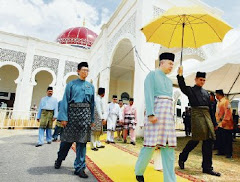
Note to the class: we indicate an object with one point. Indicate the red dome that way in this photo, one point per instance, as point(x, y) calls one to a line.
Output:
point(81, 36)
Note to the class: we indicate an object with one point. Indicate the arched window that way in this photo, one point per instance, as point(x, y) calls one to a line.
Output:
point(125, 96)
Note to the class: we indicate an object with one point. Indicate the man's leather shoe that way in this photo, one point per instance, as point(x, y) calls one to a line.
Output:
point(211, 172)
point(57, 164)
point(54, 140)
point(125, 141)
point(95, 149)
point(219, 154)
point(140, 178)
point(102, 146)
point(81, 174)
point(113, 142)
point(107, 142)
point(133, 143)
point(38, 145)
point(181, 164)
point(49, 142)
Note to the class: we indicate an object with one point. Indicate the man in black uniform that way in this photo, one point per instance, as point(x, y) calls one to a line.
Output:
point(202, 123)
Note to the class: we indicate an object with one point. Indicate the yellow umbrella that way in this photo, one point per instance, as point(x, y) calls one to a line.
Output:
point(186, 27)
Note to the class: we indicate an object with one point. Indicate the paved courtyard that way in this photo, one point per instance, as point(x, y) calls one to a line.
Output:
point(21, 161)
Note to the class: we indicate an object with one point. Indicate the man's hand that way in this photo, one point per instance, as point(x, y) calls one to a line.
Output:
point(152, 119)
point(180, 70)
point(37, 120)
point(54, 119)
point(216, 127)
point(64, 123)
point(104, 122)
point(93, 124)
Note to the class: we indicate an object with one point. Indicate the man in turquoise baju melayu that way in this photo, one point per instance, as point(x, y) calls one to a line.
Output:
point(159, 126)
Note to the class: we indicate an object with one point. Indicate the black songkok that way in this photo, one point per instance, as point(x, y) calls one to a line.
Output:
point(82, 64)
point(120, 101)
point(212, 94)
point(167, 55)
point(131, 99)
point(101, 91)
point(114, 96)
point(220, 92)
point(201, 74)
point(49, 88)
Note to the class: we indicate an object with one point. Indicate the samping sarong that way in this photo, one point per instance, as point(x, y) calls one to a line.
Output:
point(78, 128)
point(119, 125)
point(202, 126)
point(162, 132)
point(98, 128)
point(46, 120)
point(129, 122)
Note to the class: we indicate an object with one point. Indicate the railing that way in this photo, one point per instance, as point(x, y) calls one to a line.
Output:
point(18, 119)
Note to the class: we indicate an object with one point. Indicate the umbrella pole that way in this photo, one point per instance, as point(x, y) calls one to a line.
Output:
point(183, 25)
point(233, 83)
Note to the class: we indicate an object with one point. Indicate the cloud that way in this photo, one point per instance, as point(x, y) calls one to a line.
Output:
point(48, 19)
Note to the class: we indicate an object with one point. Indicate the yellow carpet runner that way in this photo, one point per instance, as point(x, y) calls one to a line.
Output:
point(116, 163)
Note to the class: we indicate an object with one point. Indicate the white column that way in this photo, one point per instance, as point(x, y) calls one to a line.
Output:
point(58, 90)
point(146, 53)
point(105, 74)
point(24, 90)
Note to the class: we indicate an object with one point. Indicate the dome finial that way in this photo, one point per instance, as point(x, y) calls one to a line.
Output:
point(84, 22)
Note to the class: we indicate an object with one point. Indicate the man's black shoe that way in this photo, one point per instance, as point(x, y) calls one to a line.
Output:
point(113, 142)
point(229, 156)
point(49, 142)
point(211, 172)
point(57, 164)
point(133, 143)
point(95, 149)
point(107, 142)
point(140, 178)
point(219, 154)
point(102, 146)
point(181, 164)
point(54, 140)
point(81, 174)
point(125, 141)
point(38, 145)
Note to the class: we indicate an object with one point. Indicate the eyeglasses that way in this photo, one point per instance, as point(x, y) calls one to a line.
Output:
point(114, 99)
point(85, 70)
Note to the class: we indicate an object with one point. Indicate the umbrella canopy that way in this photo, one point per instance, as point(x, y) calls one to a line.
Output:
point(186, 27)
point(223, 70)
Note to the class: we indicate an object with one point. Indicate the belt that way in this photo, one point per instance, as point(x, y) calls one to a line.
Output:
point(129, 117)
point(164, 97)
point(79, 104)
point(47, 110)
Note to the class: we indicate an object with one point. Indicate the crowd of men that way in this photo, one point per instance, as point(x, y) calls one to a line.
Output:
point(80, 118)
point(81, 115)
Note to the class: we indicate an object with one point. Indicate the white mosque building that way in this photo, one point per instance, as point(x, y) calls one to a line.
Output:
point(119, 57)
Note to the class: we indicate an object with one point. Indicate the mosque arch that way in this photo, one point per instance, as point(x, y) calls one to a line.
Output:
point(42, 79)
point(122, 68)
point(9, 76)
point(36, 71)
point(19, 68)
point(115, 46)
point(69, 77)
